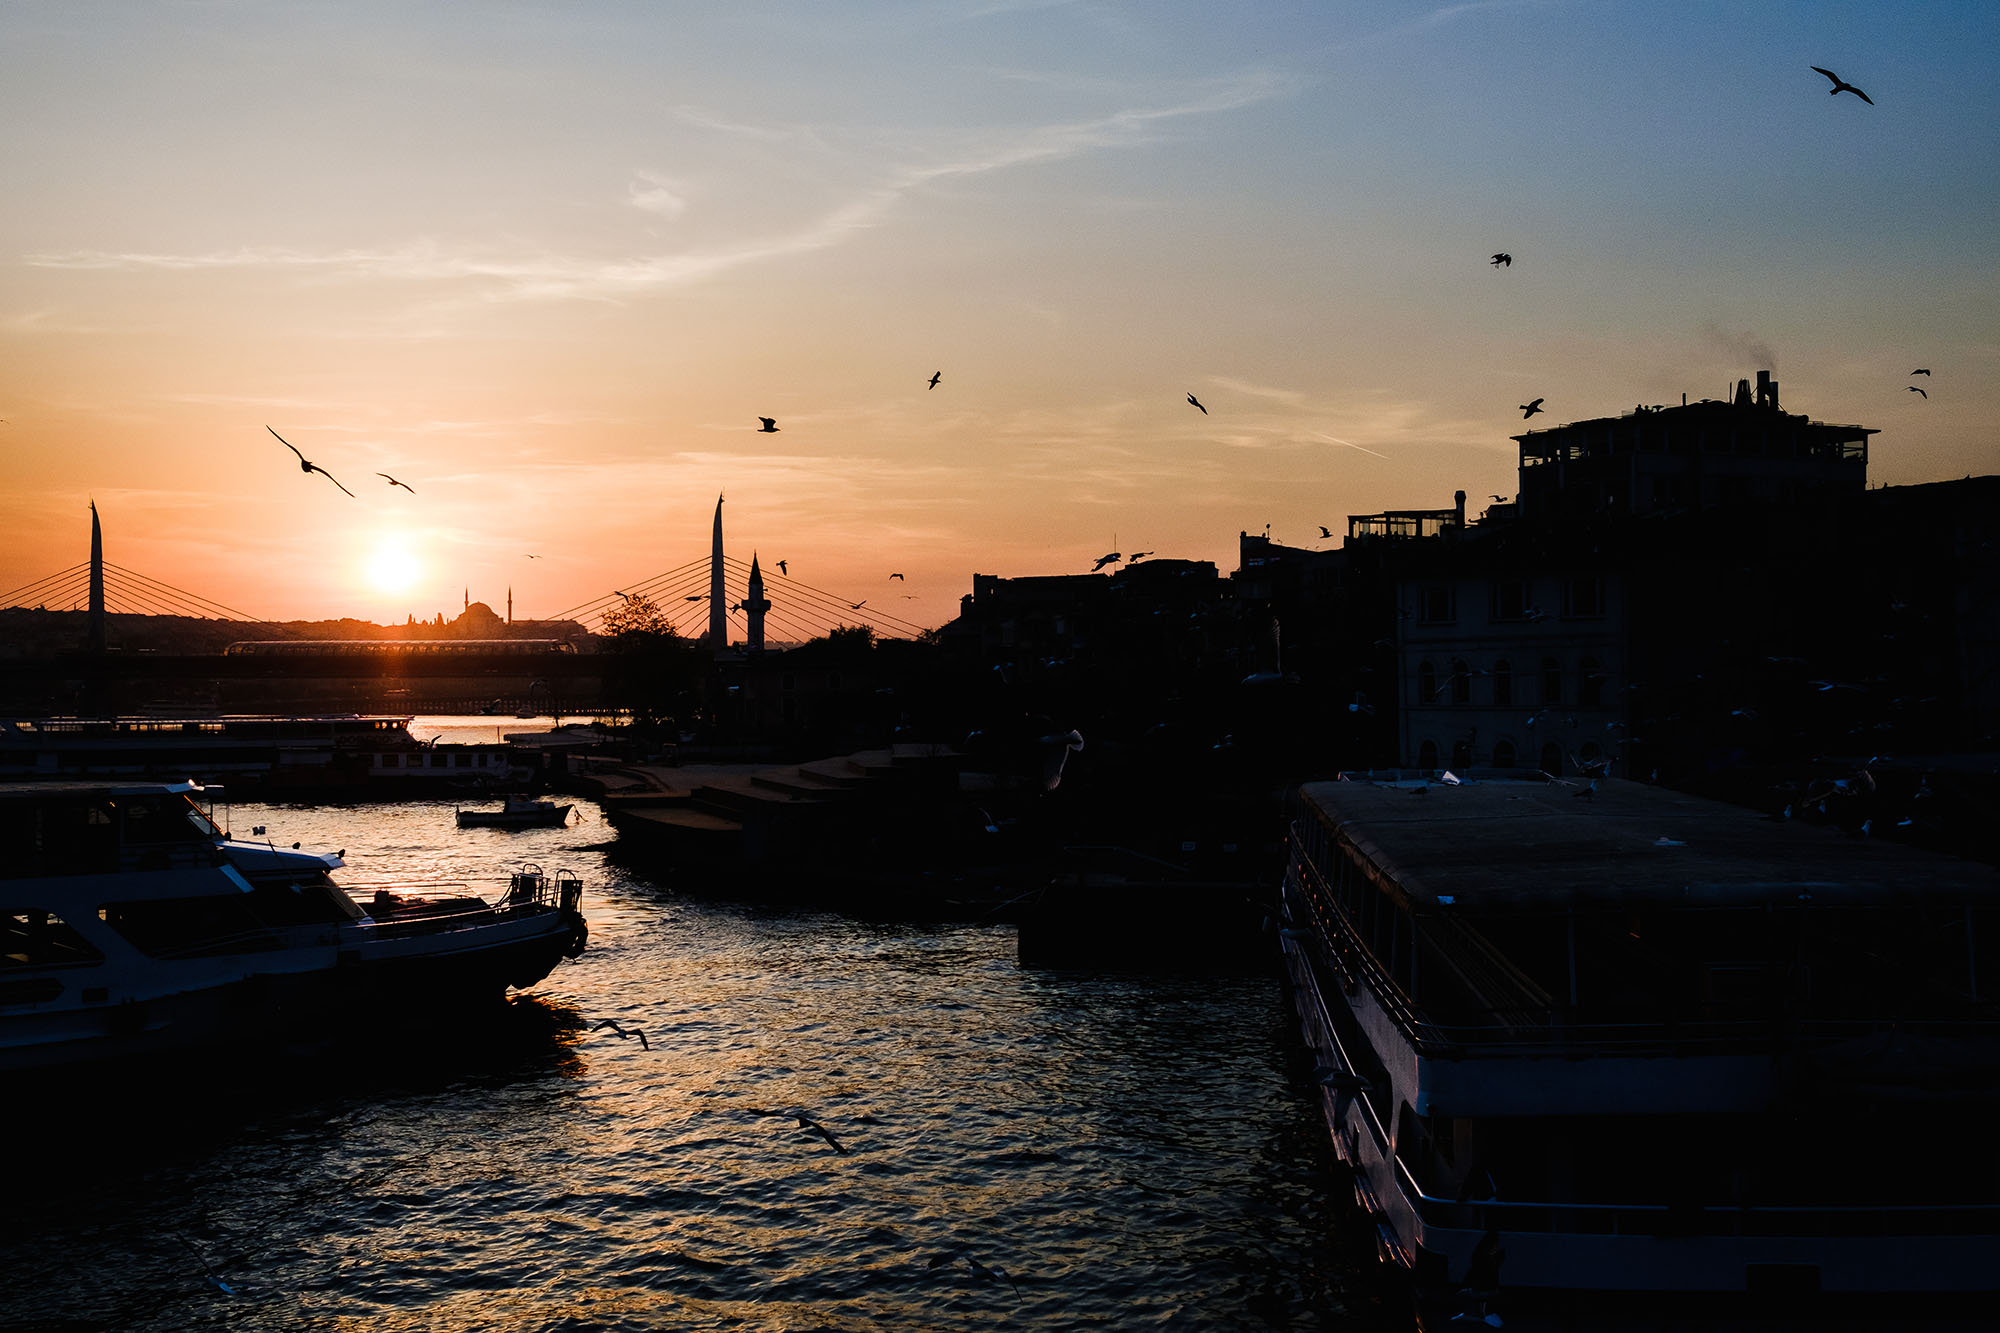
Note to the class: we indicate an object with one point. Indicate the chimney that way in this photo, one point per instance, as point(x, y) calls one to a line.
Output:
point(1458, 498)
point(1767, 390)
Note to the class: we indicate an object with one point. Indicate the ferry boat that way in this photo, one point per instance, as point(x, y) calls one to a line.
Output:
point(131, 925)
point(1609, 1055)
point(320, 753)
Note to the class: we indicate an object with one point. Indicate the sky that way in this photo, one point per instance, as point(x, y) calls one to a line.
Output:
point(548, 263)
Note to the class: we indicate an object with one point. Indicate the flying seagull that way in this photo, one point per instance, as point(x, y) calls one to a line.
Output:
point(1197, 402)
point(898, 576)
point(1324, 531)
point(393, 482)
point(770, 425)
point(782, 570)
point(530, 554)
point(936, 375)
point(1104, 560)
point(1920, 372)
point(807, 1122)
point(612, 1023)
point(305, 466)
point(1915, 389)
point(1840, 86)
point(858, 605)
point(1137, 556)
point(1529, 409)
point(1503, 260)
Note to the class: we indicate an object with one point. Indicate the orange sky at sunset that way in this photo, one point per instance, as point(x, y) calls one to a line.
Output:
point(548, 264)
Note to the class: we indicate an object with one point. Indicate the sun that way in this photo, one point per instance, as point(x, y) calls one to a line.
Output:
point(393, 568)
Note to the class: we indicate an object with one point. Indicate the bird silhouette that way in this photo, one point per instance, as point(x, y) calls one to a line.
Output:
point(1529, 409)
point(531, 555)
point(898, 576)
point(770, 425)
point(697, 597)
point(1915, 389)
point(856, 606)
point(782, 570)
point(1197, 402)
point(1104, 560)
point(1842, 86)
point(1324, 531)
point(1500, 499)
point(1503, 260)
point(935, 376)
point(1136, 556)
point(1920, 372)
point(807, 1122)
point(393, 482)
point(305, 466)
point(612, 1023)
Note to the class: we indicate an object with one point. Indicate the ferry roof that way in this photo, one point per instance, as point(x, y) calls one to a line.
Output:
point(1526, 845)
point(31, 788)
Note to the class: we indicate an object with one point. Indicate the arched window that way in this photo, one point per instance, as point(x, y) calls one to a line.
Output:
point(1427, 755)
point(1552, 681)
point(1461, 755)
point(1427, 683)
point(1589, 683)
point(1552, 759)
point(1461, 681)
point(1503, 684)
point(1503, 754)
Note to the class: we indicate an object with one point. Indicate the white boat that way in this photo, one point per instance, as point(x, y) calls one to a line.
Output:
point(131, 925)
point(517, 812)
point(1642, 1057)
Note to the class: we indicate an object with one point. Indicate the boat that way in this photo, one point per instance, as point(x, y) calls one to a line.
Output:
point(517, 812)
point(1611, 1056)
point(132, 926)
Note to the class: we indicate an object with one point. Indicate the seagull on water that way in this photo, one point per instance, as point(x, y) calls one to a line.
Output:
point(393, 482)
point(1529, 409)
point(1842, 86)
point(1197, 402)
point(612, 1023)
point(305, 466)
point(770, 425)
point(935, 376)
point(1503, 260)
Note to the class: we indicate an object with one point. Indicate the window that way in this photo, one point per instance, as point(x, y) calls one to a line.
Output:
point(1589, 683)
point(1437, 605)
point(1427, 683)
point(1461, 681)
point(1552, 681)
point(1503, 754)
point(1503, 683)
point(1583, 597)
point(460, 760)
point(392, 761)
point(35, 938)
point(1510, 599)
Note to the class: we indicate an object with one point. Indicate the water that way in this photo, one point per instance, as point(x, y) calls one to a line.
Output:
point(1130, 1152)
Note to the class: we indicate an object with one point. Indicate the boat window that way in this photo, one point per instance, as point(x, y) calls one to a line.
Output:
point(35, 938)
point(188, 927)
point(150, 821)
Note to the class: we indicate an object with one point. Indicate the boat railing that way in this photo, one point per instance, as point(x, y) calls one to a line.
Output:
point(1525, 1031)
point(531, 887)
point(1712, 1219)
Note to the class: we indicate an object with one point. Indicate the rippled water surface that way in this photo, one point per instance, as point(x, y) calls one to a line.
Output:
point(1126, 1152)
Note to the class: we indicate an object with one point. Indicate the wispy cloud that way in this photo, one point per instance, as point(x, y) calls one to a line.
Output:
point(508, 275)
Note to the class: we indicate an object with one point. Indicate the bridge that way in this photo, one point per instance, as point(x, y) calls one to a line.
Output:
point(716, 600)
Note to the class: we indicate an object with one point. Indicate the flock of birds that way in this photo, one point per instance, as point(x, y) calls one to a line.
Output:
point(769, 425)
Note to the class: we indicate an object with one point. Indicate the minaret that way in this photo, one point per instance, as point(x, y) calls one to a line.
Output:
point(510, 604)
point(718, 613)
point(96, 621)
point(754, 607)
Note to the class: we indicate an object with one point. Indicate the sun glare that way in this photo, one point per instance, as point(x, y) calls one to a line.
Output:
point(393, 569)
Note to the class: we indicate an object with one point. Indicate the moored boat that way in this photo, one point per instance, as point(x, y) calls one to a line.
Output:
point(1641, 1058)
point(517, 812)
point(131, 926)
